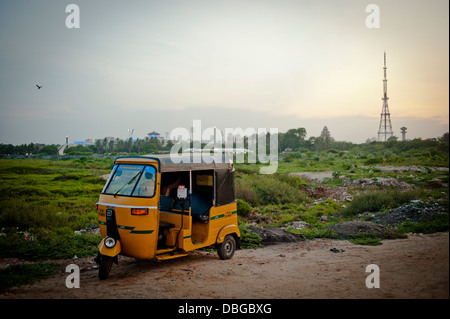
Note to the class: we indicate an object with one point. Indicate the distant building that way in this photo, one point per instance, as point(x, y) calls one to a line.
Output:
point(90, 141)
point(157, 136)
point(153, 134)
point(403, 130)
point(325, 133)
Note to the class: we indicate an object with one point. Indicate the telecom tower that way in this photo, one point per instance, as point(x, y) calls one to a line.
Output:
point(385, 129)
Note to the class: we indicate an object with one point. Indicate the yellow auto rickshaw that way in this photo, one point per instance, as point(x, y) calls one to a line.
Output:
point(163, 206)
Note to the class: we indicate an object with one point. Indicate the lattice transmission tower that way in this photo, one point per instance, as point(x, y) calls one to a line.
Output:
point(385, 129)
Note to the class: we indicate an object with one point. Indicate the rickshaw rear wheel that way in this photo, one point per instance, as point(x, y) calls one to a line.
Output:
point(226, 249)
point(105, 266)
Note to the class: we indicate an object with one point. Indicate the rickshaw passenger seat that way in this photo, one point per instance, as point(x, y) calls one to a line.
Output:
point(165, 202)
point(177, 205)
point(163, 224)
point(201, 203)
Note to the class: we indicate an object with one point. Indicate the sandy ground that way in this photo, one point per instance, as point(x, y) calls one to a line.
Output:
point(416, 267)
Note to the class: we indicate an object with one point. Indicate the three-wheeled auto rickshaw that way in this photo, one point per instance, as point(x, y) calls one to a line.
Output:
point(158, 206)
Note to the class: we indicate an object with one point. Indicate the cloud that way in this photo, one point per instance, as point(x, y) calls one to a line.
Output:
point(44, 113)
point(157, 65)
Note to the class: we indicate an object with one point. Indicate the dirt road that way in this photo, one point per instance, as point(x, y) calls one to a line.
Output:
point(416, 267)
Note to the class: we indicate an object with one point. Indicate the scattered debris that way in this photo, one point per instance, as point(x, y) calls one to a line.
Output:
point(378, 181)
point(358, 226)
point(93, 230)
point(27, 236)
point(299, 225)
point(314, 176)
point(275, 235)
point(411, 168)
point(185, 269)
point(416, 211)
point(258, 218)
point(337, 193)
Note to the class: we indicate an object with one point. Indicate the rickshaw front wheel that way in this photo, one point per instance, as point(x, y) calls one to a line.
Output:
point(105, 266)
point(226, 249)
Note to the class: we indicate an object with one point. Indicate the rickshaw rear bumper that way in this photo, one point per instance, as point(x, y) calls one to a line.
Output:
point(106, 251)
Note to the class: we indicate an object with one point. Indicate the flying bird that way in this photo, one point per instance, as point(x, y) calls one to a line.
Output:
point(39, 87)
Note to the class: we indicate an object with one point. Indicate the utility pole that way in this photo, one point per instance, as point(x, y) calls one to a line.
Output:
point(130, 135)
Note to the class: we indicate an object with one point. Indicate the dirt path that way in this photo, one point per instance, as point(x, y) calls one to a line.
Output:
point(416, 267)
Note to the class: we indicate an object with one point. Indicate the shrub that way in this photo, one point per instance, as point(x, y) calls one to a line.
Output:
point(378, 200)
point(243, 209)
point(326, 208)
point(246, 192)
point(278, 188)
point(375, 160)
point(336, 174)
point(67, 177)
point(437, 224)
point(249, 239)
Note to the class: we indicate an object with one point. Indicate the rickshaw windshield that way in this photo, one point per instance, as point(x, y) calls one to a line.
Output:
point(132, 180)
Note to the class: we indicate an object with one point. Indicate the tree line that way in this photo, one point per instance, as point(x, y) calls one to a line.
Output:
point(294, 140)
point(27, 149)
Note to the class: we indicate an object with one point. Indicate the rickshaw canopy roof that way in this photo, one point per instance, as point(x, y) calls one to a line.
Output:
point(185, 162)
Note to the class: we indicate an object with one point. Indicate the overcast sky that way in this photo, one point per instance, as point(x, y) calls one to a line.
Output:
point(158, 65)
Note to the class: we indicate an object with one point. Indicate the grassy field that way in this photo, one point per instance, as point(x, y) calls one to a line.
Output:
point(43, 203)
point(372, 179)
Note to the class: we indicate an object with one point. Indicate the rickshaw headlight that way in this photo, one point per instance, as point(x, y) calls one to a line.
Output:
point(110, 242)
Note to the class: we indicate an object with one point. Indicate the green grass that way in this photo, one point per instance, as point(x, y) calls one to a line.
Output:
point(42, 202)
point(279, 215)
point(327, 208)
point(248, 238)
point(378, 200)
point(49, 200)
point(270, 189)
point(364, 239)
point(438, 224)
point(50, 193)
point(25, 274)
point(275, 208)
point(316, 232)
point(46, 244)
point(243, 208)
